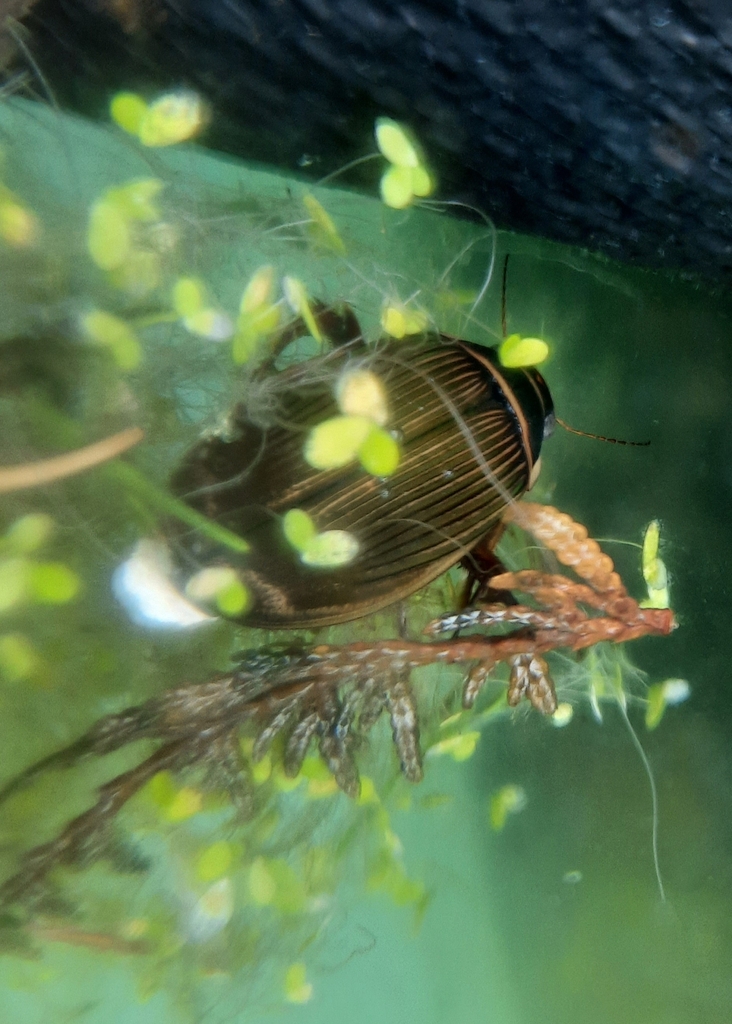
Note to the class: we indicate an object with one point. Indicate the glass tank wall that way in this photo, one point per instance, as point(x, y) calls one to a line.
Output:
point(555, 869)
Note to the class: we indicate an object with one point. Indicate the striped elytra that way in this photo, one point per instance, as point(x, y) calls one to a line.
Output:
point(470, 434)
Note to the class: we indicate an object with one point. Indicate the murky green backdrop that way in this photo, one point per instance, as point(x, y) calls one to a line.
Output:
point(558, 916)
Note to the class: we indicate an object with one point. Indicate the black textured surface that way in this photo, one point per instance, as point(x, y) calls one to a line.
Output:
point(605, 123)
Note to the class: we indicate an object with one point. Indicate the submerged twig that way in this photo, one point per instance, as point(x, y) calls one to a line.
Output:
point(47, 471)
point(335, 694)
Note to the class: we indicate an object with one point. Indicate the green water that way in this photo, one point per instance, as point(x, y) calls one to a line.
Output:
point(558, 916)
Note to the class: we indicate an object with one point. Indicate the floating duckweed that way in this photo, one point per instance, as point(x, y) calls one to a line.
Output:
point(387, 874)
point(186, 802)
point(319, 789)
point(460, 747)
point(262, 770)
point(53, 583)
point(258, 316)
point(189, 302)
point(109, 239)
point(219, 584)
point(251, 329)
point(210, 323)
point(367, 794)
point(113, 232)
point(508, 800)
point(188, 296)
point(335, 442)
point(399, 321)
point(113, 333)
point(654, 569)
point(399, 186)
point(299, 528)
point(297, 299)
point(397, 189)
point(313, 769)
point(361, 392)
point(330, 549)
point(651, 539)
point(29, 532)
point(18, 660)
point(563, 715)
point(140, 273)
point(289, 896)
point(234, 599)
point(297, 988)
point(320, 781)
point(379, 454)
point(173, 117)
point(14, 580)
point(214, 862)
point(516, 351)
point(662, 695)
point(262, 885)
point(396, 143)
point(212, 912)
point(19, 227)
point(127, 110)
point(136, 199)
point(161, 789)
point(259, 290)
point(323, 229)
point(656, 575)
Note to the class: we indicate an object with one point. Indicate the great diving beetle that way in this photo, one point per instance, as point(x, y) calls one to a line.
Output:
point(471, 441)
point(470, 433)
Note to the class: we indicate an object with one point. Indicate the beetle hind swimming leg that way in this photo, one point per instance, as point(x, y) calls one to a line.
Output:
point(337, 323)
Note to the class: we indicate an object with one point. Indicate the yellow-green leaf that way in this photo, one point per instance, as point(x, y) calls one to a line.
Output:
point(361, 392)
point(214, 861)
point(396, 187)
point(297, 988)
point(379, 454)
point(516, 351)
point(127, 110)
point(29, 532)
point(330, 549)
point(299, 528)
point(18, 660)
point(335, 442)
point(108, 236)
point(396, 143)
point(172, 118)
point(189, 296)
point(53, 583)
point(323, 227)
point(258, 292)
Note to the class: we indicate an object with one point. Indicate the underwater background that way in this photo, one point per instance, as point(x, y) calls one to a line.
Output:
point(517, 882)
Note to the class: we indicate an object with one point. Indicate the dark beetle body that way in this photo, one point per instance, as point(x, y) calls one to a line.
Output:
point(441, 501)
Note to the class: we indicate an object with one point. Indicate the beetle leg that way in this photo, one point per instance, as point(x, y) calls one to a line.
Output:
point(481, 565)
point(336, 323)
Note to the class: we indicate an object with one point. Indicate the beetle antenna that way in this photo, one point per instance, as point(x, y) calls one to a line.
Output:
point(601, 437)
